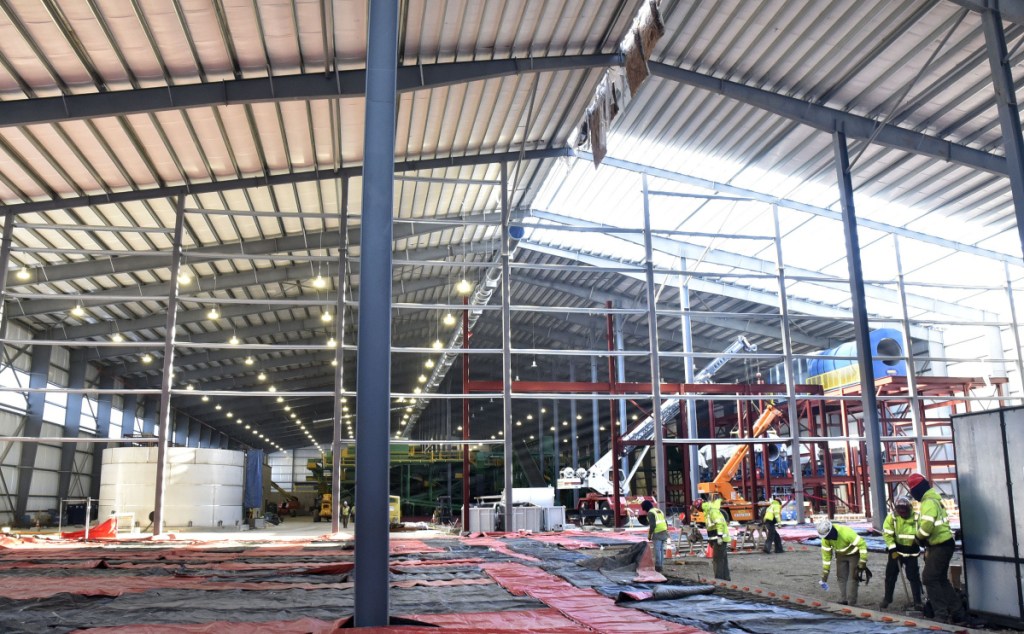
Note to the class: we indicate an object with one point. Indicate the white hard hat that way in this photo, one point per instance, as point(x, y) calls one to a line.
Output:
point(823, 526)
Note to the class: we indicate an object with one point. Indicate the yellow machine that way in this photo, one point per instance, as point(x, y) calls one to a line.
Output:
point(734, 507)
point(394, 509)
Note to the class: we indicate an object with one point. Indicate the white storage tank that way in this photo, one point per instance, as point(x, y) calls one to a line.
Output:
point(204, 486)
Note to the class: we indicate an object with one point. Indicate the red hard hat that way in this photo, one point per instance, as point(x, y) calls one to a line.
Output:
point(915, 479)
point(698, 504)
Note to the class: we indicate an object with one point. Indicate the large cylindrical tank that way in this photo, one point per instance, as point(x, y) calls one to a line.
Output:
point(885, 342)
point(204, 486)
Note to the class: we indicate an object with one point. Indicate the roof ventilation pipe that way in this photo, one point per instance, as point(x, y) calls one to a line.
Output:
point(481, 297)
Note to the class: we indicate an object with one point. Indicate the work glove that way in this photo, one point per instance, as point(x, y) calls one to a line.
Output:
point(867, 575)
point(860, 575)
point(824, 585)
point(824, 577)
point(893, 554)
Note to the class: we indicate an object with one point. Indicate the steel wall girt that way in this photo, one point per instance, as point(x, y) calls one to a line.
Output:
point(738, 325)
point(830, 120)
point(765, 297)
point(242, 250)
point(72, 421)
point(702, 285)
point(277, 88)
point(104, 408)
point(271, 180)
point(733, 190)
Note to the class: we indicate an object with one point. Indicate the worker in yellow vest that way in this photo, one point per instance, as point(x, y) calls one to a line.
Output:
point(772, 516)
point(657, 532)
point(718, 535)
point(900, 533)
point(850, 550)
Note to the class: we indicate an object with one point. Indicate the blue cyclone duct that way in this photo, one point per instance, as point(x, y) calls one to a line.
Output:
point(516, 232)
point(887, 350)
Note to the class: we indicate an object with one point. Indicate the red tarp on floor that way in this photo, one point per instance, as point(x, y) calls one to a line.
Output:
point(106, 530)
point(585, 606)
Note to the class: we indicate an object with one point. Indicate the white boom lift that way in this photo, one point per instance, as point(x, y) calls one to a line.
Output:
point(598, 478)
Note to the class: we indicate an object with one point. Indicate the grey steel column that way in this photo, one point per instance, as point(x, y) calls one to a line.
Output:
point(620, 376)
point(168, 368)
point(572, 430)
point(915, 412)
point(129, 410)
point(869, 404)
point(373, 364)
point(557, 424)
point(1014, 325)
point(506, 349)
point(688, 374)
point(150, 413)
point(1009, 112)
point(72, 421)
point(104, 407)
point(652, 329)
point(787, 362)
point(33, 426)
point(339, 356)
point(540, 436)
point(595, 413)
point(5, 265)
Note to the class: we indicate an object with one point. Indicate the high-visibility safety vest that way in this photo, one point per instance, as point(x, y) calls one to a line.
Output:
point(659, 523)
point(899, 531)
point(847, 542)
point(715, 520)
point(773, 513)
point(932, 524)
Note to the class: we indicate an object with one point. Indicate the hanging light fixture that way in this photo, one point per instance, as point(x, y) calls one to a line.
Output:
point(334, 362)
point(249, 361)
point(213, 314)
point(437, 345)
point(332, 342)
point(422, 378)
point(464, 287)
point(147, 358)
point(205, 398)
point(184, 279)
point(325, 316)
point(78, 311)
point(319, 282)
point(449, 319)
point(429, 364)
point(262, 376)
point(233, 340)
point(117, 338)
point(23, 274)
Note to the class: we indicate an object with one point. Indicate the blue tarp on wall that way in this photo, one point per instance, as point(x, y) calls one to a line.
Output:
point(253, 497)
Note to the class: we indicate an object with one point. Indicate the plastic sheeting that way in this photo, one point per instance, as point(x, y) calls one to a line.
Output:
point(726, 616)
point(105, 530)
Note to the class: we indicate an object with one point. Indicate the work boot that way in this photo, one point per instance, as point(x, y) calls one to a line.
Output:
point(844, 602)
point(884, 604)
point(657, 569)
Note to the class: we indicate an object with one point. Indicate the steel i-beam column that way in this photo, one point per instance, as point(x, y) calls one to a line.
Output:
point(373, 365)
point(72, 422)
point(793, 412)
point(129, 410)
point(506, 349)
point(33, 426)
point(860, 325)
point(915, 412)
point(688, 374)
point(168, 367)
point(652, 329)
point(104, 408)
point(595, 413)
point(572, 430)
point(339, 358)
point(1013, 326)
point(1009, 112)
